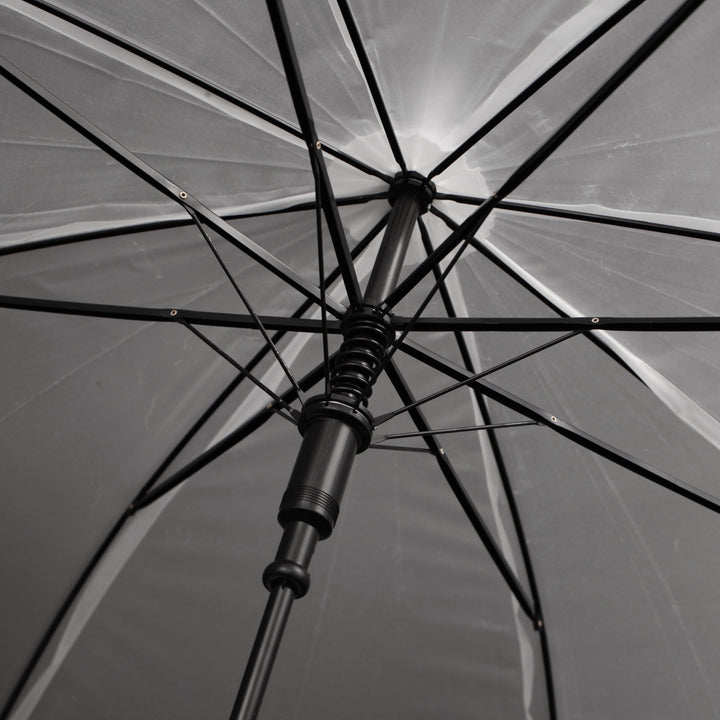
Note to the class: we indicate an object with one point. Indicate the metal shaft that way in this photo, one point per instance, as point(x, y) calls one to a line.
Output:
point(390, 257)
point(334, 430)
point(262, 656)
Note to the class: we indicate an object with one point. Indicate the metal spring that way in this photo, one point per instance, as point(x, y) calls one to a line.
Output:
point(363, 349)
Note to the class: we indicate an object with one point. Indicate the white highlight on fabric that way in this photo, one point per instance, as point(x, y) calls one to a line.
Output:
point(680, 404)
point(493, 481)
point(99, 582)
point(552, 48)
point(150, 69)
point(671, 600)
point(90, 598)
point(374, 147)
point(137, 219)
point(679, 221)
point(495, 492)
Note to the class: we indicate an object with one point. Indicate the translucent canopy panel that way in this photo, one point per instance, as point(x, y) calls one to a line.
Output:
point(182, 285)
point(191, 585)
point(653, 146)
point(86, 421)
point(242, 58)
point(459, 57)
point(630, 274)
point(218, 152)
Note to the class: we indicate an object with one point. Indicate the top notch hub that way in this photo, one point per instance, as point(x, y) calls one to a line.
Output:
point(411, 180)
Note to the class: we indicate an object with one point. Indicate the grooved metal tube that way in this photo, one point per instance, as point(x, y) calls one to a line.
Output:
point(318, 479)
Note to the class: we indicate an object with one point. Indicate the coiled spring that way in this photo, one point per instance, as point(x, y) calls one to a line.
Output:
point(367, 337)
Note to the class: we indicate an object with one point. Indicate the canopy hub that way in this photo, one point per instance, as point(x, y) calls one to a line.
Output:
point(412, 183)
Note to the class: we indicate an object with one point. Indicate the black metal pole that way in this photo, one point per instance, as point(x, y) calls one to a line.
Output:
point(297, 547)
point(262, 656)
point(408, 199)
point(334, 429)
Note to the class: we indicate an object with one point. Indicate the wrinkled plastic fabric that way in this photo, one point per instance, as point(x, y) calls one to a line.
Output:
point(407, 616)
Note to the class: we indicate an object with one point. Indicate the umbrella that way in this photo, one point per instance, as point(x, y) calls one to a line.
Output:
point(436, 279)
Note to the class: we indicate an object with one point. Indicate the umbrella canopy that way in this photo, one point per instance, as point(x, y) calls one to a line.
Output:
point(194, 195)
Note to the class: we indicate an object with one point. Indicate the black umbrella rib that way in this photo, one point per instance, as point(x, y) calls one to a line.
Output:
point(87, 235)
point(576, 324)
point(451, 431)
point(205, 458)
point(578, 436)
point(250, 367)
point(52, 628)
point(462, 345)
point(307, 126)
point(400, 448)
point(249, 308)
point(294, 323)
point(311, 205)
point(512, 273)
point(198, 81)
point(168, 188)
point(372, 83)
point(538, 83)
point(498, 262)
point(462, 496)
point(647, 48)
point(540, 625)
point(169, 224)
point(321, 275)
point(526, 168)
point(551, 211)
point(293, 416)
point(462, 233)
point(228, 442)
point(505, 479)
point(144, 314)
point(216, 404)
point(476, 376)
